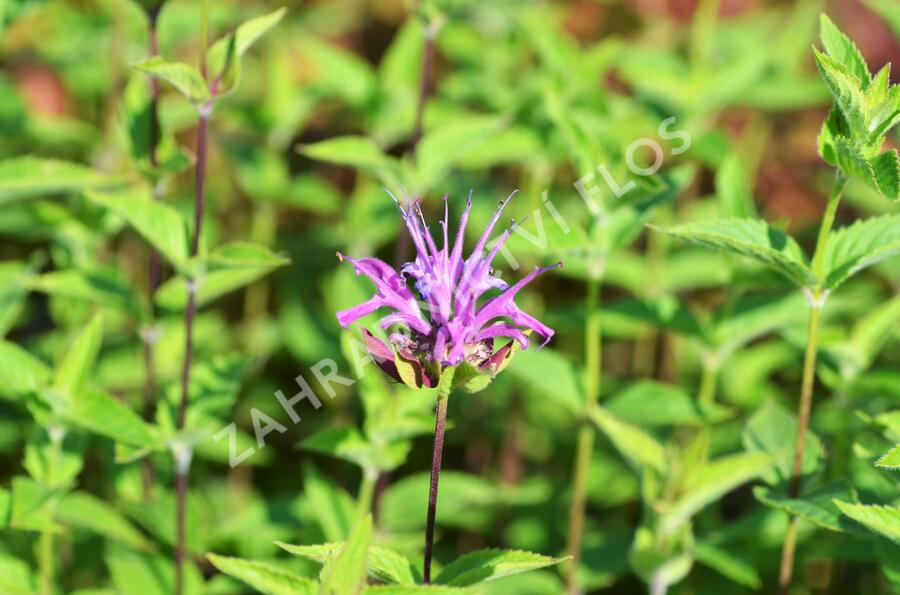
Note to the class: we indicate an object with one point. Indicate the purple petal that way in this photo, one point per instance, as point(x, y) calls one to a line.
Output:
point(502, 330)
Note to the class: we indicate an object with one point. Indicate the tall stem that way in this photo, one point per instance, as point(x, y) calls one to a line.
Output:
point(817, 300)
point(585, 446)
point(183, 456)
point(440, 423)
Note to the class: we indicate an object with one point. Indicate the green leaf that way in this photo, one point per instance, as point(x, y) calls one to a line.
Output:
point(753, 239)
point(103, 287)
point(414, 590)
point(99, 413)
point(135, 573)
point(666, 312)
point(348, 444)
point(186, 79)
point(860, 245)
point(550, 374)
point(15, 577)
point(728, 565)
point(771, 430)
point(264, 577)
point(886, 174)
point(656, 404)
point(444, 146)
point(847, 91)
point(384, 565)
point(491, 564)
point(224, 56)
point(842, 49)
point(161, 225)
point(733, 189)
point(884, 520)
point(461, 495)
point(78, 362)
point(227, 268)
point(706, 485)
point(358, 152)
point(634, 444)
point(817, 506)
point(35, 177)
point(331, 506)
point(13, 274)
point(32, 505)
point(347, 574)
point(890, 459)
point(20, 372)
point(80, 509)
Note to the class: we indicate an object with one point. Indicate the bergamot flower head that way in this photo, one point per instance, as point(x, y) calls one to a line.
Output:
point(443, 305)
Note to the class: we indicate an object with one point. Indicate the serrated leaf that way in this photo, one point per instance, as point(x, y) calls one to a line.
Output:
point(186, 79)
point(817, 506)
point(383, 564)
point(847, 91)
point(34, 177)
point(884, 520)
point(347, 574)
point(842, 49)
point(886, 173)
point(890, 459)
point(158, 223)
point(638, 447)
point(491, 564)
point(266, 578)
point(860, 245)
point(753, 239)
point(709, 483)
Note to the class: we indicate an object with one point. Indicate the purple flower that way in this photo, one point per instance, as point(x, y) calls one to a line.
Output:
point(446, 320)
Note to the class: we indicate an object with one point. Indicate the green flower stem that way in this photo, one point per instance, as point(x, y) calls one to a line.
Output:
point(440, 422)
point(366, 492)
point(817, 299)
point(585, 446)
point(708, 381)
point(47, 553)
